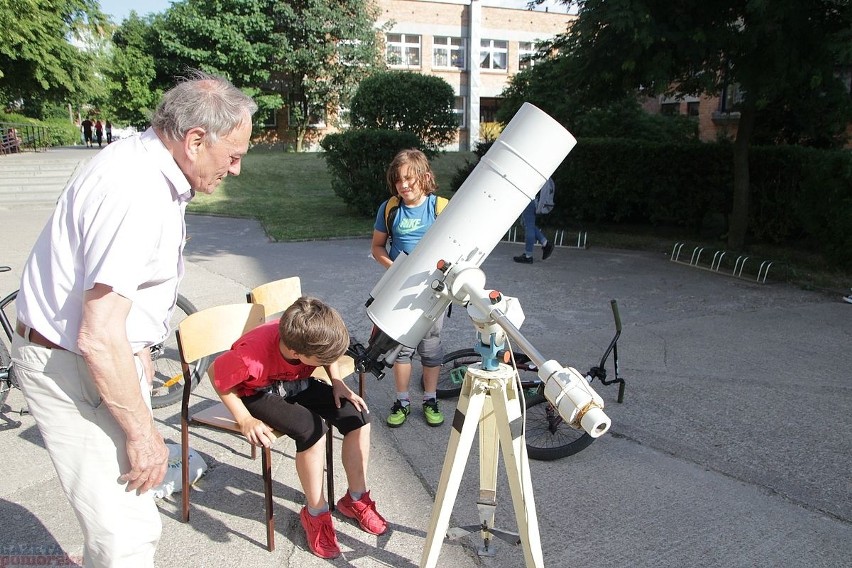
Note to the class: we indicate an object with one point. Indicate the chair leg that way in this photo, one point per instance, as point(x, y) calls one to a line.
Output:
point(329, 464)
point(184, 469)
point(267, 496)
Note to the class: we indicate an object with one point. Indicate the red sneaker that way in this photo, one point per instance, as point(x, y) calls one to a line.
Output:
point(364, 511)
point(319, 530)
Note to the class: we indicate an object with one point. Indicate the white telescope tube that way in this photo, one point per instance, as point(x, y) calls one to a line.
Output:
point(493, 196)
point(577, 403)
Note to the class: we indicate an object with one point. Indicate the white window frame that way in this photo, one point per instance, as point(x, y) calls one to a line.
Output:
point(526, 52)
point(447, 46)
point(489, 49)
point(460, 110)
point(405, 49)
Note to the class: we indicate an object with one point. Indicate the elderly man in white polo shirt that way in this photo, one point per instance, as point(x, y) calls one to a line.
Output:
point(98, 290)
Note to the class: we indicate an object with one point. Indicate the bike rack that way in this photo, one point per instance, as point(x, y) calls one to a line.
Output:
point(716, 262)
point(512, 235)
point(559, 238)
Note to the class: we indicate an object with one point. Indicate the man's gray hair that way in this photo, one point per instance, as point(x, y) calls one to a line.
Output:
point(202, 100)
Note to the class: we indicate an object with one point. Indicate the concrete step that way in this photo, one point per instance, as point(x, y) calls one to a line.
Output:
point(38, 177)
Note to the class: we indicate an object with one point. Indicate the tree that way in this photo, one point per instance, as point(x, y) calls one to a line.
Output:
point(408, 102)
point(132, 73)
point(37, 60)
point(775, 51)
point(544, 86)
point(308, 54)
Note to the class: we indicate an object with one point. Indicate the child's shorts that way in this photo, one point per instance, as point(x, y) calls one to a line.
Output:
point(302, 416)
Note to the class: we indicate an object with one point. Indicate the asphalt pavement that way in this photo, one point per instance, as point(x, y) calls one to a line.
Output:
point(731, 449)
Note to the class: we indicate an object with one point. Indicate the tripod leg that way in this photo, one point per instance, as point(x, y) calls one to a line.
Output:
point(465, 420)
point(507, 411)
point(489, 445)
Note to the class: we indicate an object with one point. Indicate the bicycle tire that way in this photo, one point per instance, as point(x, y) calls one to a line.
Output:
point(550, 438)
point(453, 369)
point(168, 374)
point(7, 373)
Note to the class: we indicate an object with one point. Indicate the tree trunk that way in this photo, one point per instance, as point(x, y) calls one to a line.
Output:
point(742, 187)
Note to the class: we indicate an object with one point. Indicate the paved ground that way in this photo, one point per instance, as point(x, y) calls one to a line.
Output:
point(732, 447)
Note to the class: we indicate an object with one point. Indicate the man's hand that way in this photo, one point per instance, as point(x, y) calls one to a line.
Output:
point(149, 459)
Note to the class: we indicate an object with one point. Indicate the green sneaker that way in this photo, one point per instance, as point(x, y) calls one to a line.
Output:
point(432, 413)
point(398, 414)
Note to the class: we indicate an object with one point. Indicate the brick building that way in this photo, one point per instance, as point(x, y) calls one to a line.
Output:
point(474, 45)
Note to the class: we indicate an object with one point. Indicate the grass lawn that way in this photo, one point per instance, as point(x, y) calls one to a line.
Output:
point(290, 194)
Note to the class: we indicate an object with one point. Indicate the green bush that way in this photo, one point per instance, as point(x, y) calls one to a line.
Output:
point(406, 101)
point(798, 195)
point(358, 160)
point(59, 131)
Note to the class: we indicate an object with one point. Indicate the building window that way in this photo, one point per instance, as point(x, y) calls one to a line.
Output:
point(271, 119)
point(731, 97)
point(448, 52)
point(526, 52)
point(488, 108)
point(670, 109)
point(494, 54)
point(692, 109)
point(459, 111)
point(403, 50)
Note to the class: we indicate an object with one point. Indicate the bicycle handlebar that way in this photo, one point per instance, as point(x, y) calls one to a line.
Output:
point(616, 315)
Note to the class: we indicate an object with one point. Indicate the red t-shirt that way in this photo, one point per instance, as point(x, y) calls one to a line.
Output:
point(255, 362)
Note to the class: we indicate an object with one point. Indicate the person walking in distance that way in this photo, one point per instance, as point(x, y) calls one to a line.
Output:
point(541, 205)
point(87, 131)
point(401, 222)
point(98, 290)
point(99, 132)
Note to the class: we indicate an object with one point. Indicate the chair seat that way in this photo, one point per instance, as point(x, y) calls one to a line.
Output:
point(219, 416)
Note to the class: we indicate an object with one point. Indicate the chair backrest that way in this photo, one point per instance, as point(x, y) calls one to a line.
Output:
point(276, 296)
point(215, 329)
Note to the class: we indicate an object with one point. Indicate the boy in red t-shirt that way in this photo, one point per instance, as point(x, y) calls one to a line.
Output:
point(264, 380)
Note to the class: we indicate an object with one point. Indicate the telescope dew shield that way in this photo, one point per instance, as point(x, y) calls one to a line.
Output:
point(492, 197)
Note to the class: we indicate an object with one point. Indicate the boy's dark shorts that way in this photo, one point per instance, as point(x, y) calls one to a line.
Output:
point(302, 416)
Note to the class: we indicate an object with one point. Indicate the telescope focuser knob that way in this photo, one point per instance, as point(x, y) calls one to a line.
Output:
point(438, 286)
point(443, 266)
point(495, 297)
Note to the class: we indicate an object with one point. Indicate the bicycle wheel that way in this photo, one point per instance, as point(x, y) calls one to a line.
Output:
point(168, 375)
point(548, 436)
point(453, 370)
point(7, 316)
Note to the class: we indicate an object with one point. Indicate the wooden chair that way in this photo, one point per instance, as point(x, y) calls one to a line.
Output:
point(275, 297)
point(204, 333)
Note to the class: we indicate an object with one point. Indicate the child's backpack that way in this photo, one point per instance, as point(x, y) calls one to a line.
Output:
point(392, 207)
point(544, 205)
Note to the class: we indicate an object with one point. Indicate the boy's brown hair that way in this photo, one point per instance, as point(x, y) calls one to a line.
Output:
point(418, 164)
point(314, 329)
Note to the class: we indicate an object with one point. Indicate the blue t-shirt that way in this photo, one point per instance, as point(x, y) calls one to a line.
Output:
point(409, 225)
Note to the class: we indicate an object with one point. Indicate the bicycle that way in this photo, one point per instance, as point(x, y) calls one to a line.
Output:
point(548, 437)
point(167, 387)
